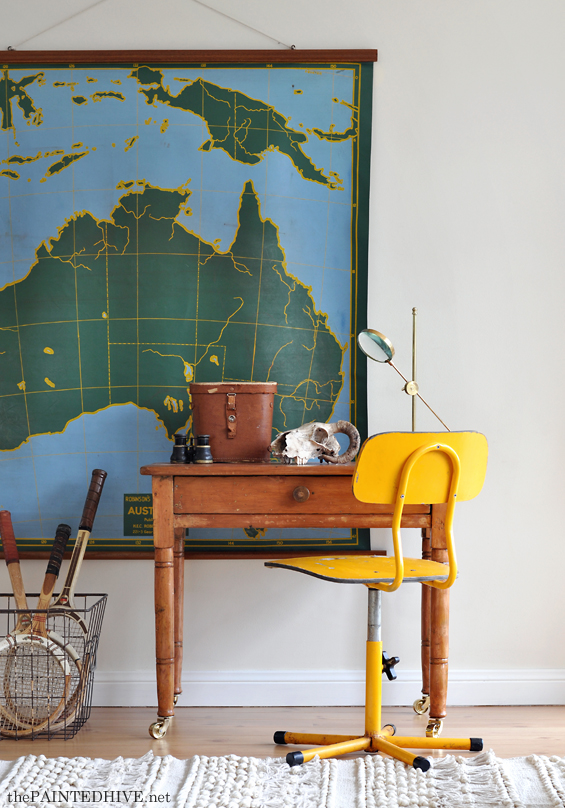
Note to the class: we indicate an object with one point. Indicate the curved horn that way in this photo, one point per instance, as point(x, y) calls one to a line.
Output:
point(354, 442)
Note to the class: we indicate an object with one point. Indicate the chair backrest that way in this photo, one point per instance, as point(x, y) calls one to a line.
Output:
point(403, 468)
point(383, 457)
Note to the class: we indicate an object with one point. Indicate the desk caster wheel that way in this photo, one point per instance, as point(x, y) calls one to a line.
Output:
point(159, 728)
point(422, 705)
point(434, 728)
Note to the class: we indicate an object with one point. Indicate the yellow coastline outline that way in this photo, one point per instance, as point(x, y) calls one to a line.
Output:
point(188, 369)
point(102, 224)
point(333, 182)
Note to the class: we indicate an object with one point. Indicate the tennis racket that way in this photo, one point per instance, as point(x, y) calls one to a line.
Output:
point(14, 571)
point(35, 670)
point(68, 626)
point(64, 604)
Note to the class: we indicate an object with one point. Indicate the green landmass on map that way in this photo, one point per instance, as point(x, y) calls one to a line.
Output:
point(20, 160)
point(64, 162)
point(338, 137)
point(107, 94)
point(244, 127)
point(12, 90)
point(133, 308)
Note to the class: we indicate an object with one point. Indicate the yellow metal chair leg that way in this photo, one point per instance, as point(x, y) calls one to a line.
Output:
point(417, 742)
point(311, 738)
point(399, 753)
point(333, 750)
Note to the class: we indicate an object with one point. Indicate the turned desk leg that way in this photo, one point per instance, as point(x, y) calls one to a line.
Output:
point(179, 606)
point(422, 704)
point(163, 539)
point(439, 638)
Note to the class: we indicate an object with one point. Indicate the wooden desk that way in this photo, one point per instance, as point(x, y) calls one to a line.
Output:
point(264, 495)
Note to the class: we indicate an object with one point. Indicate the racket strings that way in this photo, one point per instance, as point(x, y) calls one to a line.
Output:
point(68, 630)
point(34, 684)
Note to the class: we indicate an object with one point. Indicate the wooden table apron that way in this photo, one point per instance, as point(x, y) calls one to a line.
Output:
point(261, 495)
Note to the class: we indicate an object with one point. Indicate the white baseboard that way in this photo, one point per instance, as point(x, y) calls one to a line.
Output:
point(327, 688)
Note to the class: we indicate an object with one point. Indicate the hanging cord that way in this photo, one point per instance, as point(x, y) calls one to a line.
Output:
point(56, 24)
point(234, 19)
point(99, 2)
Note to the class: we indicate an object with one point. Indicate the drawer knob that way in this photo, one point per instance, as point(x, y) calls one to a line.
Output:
point(301, 493)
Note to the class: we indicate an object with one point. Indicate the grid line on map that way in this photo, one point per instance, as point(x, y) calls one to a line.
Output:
point(313, 330)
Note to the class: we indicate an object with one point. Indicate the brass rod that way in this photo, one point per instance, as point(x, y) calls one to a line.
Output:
point(414, 313)
point(391, 363)
point(433, 411)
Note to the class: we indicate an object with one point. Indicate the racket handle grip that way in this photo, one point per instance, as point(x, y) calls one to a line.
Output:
point(8, 538)
point(58, 550)
point(92, 499)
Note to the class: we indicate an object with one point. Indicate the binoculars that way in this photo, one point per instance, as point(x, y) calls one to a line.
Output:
point(198, 451)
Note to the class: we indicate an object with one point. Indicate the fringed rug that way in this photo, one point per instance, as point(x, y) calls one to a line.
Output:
point(242, 782)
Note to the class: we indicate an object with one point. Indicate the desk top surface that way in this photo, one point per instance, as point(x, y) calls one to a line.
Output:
point(246, 469)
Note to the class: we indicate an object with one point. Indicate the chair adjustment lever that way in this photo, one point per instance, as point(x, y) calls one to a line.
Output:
point(388, 666)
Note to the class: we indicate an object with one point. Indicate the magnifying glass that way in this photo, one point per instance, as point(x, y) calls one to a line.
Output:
point(375, 345)
point(379, 348)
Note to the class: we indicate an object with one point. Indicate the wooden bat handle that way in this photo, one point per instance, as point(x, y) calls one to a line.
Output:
point(92, 499)
point(58, 550)
point(8, 538)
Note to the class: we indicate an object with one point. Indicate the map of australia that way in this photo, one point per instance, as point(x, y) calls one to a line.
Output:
point(163, 224)
point(135, 307)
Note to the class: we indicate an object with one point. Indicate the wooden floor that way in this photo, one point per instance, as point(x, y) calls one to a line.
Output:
point(110, 732)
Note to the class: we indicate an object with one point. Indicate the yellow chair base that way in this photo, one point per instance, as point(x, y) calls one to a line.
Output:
point(376, 738)
point(396, 746)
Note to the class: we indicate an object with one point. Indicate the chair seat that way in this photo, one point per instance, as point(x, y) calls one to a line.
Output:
point(364, 569)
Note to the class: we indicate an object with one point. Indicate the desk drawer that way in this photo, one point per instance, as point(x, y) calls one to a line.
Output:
point(272, 495)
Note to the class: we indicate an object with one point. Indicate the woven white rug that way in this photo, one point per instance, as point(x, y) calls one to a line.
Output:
point(240, 782)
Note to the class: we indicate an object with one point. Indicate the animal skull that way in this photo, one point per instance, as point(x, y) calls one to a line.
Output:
point(316, 440)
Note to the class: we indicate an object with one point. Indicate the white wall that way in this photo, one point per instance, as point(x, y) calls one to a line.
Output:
point(467, 224)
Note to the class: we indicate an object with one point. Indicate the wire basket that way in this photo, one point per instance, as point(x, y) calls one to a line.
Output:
point(47, 664)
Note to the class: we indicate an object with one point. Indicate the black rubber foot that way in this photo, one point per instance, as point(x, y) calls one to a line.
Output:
point(421, 763)
point(476, 744)
point(295, 758)
point(278, 737)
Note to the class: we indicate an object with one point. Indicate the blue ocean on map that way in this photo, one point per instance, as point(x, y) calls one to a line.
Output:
point(121, 134)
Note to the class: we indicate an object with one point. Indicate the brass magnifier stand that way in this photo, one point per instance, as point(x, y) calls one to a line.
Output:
point(377, 347)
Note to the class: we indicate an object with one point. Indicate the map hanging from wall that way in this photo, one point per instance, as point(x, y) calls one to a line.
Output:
point(163, 224)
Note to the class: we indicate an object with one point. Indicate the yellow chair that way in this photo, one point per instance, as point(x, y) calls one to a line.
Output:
point(397, 468)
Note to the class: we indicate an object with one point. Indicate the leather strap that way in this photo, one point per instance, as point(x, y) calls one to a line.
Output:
point(231, 415)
